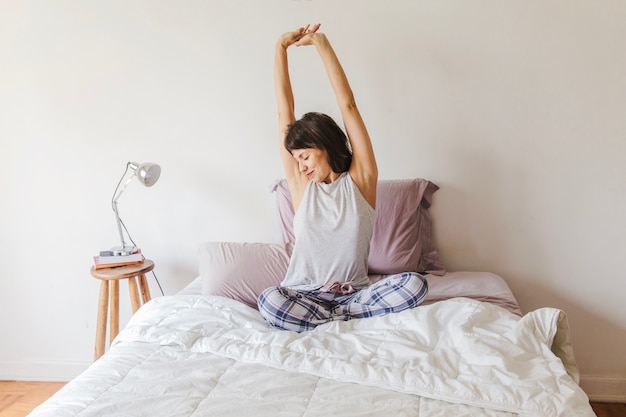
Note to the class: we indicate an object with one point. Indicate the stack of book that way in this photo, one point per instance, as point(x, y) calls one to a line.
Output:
point(105, 260)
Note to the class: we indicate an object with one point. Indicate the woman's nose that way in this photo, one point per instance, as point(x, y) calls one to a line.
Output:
point(301, 166)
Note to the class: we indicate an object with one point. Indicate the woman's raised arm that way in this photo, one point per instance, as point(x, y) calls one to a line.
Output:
point(363, 170)
point(285, 104)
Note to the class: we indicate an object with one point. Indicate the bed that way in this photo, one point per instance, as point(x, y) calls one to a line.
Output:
point(466, 351)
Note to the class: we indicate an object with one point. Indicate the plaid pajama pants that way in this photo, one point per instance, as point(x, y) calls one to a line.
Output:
point(302, 310)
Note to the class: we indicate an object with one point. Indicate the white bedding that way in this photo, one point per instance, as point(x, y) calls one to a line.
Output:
point(189, 355)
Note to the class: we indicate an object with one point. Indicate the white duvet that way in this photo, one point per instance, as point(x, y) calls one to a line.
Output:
point(211, 356)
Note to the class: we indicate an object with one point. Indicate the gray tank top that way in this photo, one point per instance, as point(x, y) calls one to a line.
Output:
point(332, 228)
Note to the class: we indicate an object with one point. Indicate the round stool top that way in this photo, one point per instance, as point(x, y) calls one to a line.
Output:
point(123, 272)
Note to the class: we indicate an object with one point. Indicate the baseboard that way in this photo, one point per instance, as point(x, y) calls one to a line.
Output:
point(604, 388)
point(43, 371)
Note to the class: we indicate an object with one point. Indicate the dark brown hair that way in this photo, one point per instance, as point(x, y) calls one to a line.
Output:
point(320, 131)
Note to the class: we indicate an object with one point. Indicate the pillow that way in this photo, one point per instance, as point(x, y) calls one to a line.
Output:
point(402, 240)
point(241, 270)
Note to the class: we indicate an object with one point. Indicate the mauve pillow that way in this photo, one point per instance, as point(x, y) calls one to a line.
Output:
point(241, 270)
point(402, 240)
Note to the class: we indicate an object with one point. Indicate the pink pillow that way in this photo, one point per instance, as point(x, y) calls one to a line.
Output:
point(242, 270)
point(402, 239)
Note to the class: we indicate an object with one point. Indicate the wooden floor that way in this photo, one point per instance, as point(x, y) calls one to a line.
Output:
point(17, 399)
point(609, 409)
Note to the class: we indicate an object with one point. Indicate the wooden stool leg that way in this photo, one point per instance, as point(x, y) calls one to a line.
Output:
point(145, 290)
point(114, 310)
point(101, 326)
point(134, 294)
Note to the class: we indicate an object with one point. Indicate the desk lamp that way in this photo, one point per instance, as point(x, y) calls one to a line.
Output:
point(147, 173)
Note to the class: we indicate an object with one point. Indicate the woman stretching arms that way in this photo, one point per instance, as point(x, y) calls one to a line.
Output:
point(332, 178)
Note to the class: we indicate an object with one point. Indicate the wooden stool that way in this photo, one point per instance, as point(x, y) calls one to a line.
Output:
point(113, 275)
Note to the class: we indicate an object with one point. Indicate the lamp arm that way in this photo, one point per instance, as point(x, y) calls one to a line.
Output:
point(119, 224)
point(116, 196)
point(119, 191)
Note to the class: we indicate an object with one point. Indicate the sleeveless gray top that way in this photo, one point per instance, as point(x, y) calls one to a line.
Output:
point(332, 228)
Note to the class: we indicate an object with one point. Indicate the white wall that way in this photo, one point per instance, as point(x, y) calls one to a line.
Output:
point(516, 109)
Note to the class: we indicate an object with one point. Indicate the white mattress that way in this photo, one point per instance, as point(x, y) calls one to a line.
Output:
point(194, 355)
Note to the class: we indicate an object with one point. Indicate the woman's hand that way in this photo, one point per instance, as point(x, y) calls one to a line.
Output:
point(310, 36)
point(299, 37)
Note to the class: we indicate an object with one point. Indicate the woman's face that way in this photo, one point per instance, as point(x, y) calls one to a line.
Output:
point(314, 164)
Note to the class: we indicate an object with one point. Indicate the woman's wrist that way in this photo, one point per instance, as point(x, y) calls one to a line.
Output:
point(282, 44)
point(319, 40)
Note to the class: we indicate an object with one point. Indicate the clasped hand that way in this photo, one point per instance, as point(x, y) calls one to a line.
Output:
point(300, 37)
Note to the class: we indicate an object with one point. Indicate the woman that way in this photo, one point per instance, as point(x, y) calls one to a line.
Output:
point(332, 179)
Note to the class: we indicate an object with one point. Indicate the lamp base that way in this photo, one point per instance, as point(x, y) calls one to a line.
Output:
point(120, 251)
